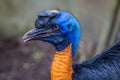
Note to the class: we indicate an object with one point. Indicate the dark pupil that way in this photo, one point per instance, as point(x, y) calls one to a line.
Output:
point(56, 27)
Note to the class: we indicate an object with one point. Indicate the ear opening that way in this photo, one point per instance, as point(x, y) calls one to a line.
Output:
point(69, 25)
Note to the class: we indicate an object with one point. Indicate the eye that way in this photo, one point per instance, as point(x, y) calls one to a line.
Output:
point(55, 27)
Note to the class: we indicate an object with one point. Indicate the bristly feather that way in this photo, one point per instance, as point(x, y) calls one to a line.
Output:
point(105, 66)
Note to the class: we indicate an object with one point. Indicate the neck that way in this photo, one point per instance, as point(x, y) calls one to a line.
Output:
point(62, 65)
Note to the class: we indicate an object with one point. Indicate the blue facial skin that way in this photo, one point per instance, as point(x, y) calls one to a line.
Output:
point(67, 32)
point(70, 27)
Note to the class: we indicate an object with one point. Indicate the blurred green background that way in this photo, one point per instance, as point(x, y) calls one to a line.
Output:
point(100, 25)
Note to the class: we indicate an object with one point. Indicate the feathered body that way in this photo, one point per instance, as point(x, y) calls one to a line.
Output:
point(105, 66)
point(62, 30)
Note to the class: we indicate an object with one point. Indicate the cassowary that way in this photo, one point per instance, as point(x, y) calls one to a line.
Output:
point(61, 29)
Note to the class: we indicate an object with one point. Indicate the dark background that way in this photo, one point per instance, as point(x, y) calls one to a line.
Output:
point(100, 25)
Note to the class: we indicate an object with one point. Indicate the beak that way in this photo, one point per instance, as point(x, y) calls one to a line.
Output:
point(37, 34)
point(31, 35)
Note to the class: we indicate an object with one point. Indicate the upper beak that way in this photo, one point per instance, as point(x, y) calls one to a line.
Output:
point(30, 35)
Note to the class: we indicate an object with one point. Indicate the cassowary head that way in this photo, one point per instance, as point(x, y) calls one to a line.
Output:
point(57, 27)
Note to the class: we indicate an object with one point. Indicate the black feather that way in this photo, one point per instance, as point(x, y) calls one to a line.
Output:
point(105, 66)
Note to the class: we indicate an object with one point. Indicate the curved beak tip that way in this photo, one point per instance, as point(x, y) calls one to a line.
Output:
point(29, 35)
point(25, 38)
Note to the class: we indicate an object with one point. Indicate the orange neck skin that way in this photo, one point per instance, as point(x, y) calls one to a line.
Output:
point(62, 65)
